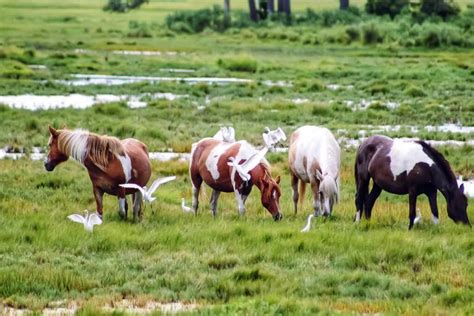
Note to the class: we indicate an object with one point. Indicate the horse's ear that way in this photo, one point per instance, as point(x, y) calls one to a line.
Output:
point(319, 175)
point(277, 180)
point(53, 131)
point(461, 188)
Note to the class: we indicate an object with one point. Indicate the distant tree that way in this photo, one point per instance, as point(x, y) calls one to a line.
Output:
point(442, 8)
point(227, 13)
point(123, 5)
point(253, 11)
point(343, 4)
point(382, 7)
point(284, 6)
point(271, 6)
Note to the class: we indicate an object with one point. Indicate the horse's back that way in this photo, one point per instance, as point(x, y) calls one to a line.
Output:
point(209, 159)
point(140, 162)
point(311, 148)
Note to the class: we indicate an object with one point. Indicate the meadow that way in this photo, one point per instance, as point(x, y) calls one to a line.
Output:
point(228, 264)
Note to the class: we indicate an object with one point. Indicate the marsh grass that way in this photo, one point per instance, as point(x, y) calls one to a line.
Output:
point(221, 263)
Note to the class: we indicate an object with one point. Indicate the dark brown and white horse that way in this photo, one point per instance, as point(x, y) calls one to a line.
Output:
point(209, 163)
point(108, 160)
point(406, 167)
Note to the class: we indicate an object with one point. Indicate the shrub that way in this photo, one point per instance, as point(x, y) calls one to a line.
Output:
point(197, 21)
point(123, 6)
point(14, 70)
point(353, 33)
point(414, 91)
point(385, 7)
point(242, 63)
point(372, 35)
point(138, 30)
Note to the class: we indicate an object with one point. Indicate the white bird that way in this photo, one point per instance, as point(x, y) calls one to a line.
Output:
point(185, 208)
point(244, 169)
point(147, 194)
point(418, 217)
point(271, 138)
point(308, 224)
point(226, 134)
point(88, 221)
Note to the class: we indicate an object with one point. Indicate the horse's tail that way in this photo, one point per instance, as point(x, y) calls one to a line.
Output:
point(302, 193)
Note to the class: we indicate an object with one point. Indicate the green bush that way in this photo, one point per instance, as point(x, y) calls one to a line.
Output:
point(138, 30)
point(414, 91)
point(123, 6)
point(353, 33)
point(242, 63)
point(197, 21)
point(385, 7)
point(372, 34)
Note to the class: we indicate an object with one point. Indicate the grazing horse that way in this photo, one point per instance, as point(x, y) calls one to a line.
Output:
point(314, 157)
point(209, 163)
point(108, 160)
point(406, 167)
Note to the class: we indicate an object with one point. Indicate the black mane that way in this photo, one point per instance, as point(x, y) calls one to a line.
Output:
point(439, 160)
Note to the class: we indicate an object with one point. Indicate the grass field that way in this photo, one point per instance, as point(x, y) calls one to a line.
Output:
point(230, 264)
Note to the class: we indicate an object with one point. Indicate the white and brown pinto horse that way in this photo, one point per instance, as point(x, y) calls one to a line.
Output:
point(209, 163)
point(108, 160)
point(406, 167)
point(314, 157)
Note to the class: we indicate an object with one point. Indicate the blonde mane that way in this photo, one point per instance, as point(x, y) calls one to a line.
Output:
point(80, 144)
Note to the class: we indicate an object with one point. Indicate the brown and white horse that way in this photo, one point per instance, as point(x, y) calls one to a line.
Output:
point(314, 157)
point(108, 160)
point(406, 167)
point(209, 163)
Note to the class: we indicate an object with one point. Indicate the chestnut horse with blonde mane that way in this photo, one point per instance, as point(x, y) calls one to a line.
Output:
point(108, 160)
point(209, 163)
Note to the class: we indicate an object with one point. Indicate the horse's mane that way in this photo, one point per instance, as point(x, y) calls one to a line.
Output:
point(81, 144)
point(439, 159)
point(330, 187)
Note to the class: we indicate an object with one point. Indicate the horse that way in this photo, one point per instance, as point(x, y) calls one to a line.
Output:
point(109, 162)
point(314, 157)
point(406, 167)
point(209, 164)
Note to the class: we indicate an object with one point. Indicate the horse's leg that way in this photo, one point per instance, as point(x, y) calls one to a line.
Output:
point(240, 202)
point(370, 200)
point(294, 186)
point(137, 206)
point(123, 205)
point(361, 197)
point(98, 194)
point(196, 181)
point(214, 198)
point(316, 198)
point(412, 195)
point(432, 197)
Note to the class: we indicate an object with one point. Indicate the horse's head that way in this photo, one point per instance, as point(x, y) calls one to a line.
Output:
point(55, 156)
point(271, 193)
point(457, 206)
point(328, 192)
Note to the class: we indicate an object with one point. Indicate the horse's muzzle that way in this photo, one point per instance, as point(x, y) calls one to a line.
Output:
point(48, 166)
point(277, 217)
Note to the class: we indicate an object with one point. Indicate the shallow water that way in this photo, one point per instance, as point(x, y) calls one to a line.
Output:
point(123, 306)
point(109, 80)
point(363, 104)
point(78, 101)
point(147, 53)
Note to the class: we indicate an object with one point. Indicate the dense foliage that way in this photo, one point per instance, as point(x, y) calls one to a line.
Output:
point(383, 7)
point(123, 5)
